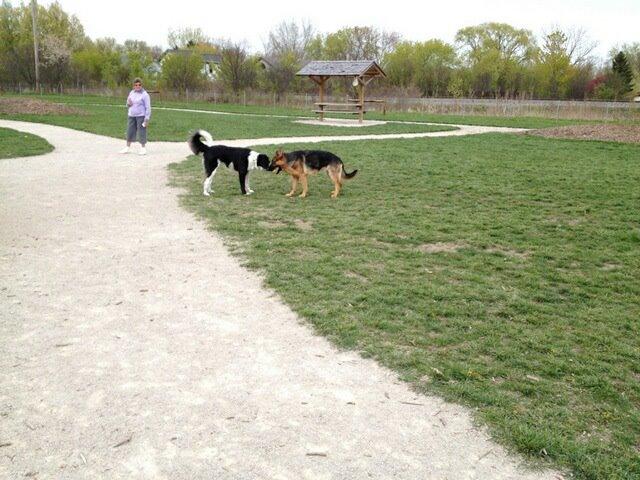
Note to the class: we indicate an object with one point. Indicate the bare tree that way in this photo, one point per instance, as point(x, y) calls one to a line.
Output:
point(359, 43)
point(187, 37)
point(55, 58)
point(289, 38)
point(236, 69)
point(285, 51)
point(577, 44)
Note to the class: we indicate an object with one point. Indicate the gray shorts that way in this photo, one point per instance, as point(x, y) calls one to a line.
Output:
point(135, 127)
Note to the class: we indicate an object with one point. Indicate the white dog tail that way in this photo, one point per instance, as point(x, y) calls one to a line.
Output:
point(200, 141)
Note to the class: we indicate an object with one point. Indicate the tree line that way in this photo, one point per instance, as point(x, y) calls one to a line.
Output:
point(485, 61)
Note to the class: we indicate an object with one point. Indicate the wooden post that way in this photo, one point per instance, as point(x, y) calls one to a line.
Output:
point(34, 23)
point(322, 80)
point(361, 99)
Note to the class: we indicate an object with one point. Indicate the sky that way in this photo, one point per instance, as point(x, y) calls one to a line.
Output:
point(608, 22)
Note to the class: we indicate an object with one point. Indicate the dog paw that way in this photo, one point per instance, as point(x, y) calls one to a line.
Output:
point(249, 192)
point(302, 195)
point(289, 195)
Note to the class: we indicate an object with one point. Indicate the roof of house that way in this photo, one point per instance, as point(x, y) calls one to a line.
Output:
point(343, 68)
point(212, 57)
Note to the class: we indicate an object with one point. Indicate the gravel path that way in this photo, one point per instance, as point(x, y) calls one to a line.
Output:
point(134, 346)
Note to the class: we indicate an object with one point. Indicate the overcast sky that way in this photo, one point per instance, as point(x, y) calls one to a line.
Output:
point(609, 22)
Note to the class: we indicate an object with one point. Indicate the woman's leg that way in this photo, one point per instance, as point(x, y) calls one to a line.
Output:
point(142, 131)
point(132, 129)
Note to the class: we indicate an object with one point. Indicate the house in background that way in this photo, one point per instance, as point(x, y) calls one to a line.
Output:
point(267, 63)
point(154, 69)
point(210, 60)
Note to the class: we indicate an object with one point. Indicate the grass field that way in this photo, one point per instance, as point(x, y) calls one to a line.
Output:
point(167, 125)
point(521, 122)
point(20, 144)
point(499, 271)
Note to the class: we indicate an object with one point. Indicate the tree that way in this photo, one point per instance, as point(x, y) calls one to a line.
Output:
point(187, 38)
point(10, 48)
point(358, 43)
point(622, 70)
point(632, 52)
point(236, 70)
point(579, 46)
point(137, 57)
point(290, 38)
point(59, 34)
point(563, 65)
point(102, 62)
point(182, 71)
point(497, 55)
point(553, 66)
point(400, 65)
point(434, 62)
point(285, 52)
point(54, 59)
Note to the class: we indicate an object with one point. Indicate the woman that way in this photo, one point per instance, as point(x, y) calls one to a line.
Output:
point(139, 104)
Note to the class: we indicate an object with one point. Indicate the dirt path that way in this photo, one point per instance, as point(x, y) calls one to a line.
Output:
point(134, 346)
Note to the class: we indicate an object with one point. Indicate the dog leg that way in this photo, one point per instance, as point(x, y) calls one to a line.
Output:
point(336, 191)
point(336, 186)
point(243, 178)
point(334, 175)
point(294, 186)
point(305, 185)
point(246, 185)
point(206, 188)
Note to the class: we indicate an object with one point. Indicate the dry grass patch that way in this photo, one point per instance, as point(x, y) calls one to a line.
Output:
point(610, 133)
point(14, 106)
point(305, 226)
point(609, 266)
point(440, 247)
point(507, 252)
point(356, 276)
point(273, 224)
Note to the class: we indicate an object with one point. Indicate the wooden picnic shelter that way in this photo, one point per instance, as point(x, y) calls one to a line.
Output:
point(362, 71)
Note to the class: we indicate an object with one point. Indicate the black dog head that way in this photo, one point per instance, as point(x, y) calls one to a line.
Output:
point(263, 162)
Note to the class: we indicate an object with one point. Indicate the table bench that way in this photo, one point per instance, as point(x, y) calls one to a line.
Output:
point(348, 108)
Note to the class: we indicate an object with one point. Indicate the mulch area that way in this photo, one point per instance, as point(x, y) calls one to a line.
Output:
point(13, 106)
point(610, 133)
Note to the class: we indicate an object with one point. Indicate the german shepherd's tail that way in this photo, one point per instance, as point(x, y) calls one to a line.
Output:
point(200, 141)
point(347, 176)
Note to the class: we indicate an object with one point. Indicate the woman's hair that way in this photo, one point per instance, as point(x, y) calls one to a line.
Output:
point(137, 80)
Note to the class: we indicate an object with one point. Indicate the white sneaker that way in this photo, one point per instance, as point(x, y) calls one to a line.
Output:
point(125, 150)
point(143, 151)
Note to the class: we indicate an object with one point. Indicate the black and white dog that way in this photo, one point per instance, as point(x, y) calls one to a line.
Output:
point(243, 160)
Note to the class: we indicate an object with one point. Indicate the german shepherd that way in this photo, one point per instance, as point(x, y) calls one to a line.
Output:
point(302, 163)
